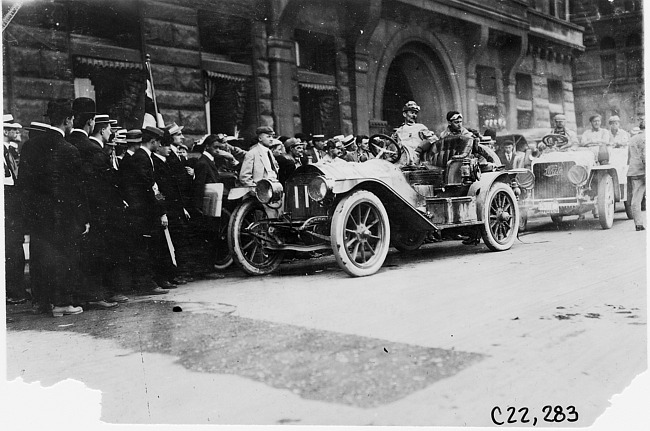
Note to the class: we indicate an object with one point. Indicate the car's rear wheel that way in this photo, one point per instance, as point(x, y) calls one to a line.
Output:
point(224, 256)
point(248, 249)
point(606, 201)
point(500, 218)
point(405, 240)
point(360, 233)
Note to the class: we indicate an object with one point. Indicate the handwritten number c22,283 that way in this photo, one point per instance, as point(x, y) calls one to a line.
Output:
point(512, 415)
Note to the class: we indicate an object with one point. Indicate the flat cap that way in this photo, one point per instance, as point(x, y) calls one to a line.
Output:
point(265, 129)
point(560, 117)
point(614, 118)
point(411, 106)
point(454, 115)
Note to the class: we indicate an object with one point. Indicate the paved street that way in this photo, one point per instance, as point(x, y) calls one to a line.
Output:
point(440, 336)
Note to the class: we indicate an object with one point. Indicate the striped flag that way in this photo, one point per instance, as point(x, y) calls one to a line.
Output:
point(151, 115)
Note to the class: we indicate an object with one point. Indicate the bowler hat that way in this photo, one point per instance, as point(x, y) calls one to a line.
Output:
point(83, 105)
point(264, 129)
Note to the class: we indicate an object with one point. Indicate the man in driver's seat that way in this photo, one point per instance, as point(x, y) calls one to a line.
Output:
point(411, 134)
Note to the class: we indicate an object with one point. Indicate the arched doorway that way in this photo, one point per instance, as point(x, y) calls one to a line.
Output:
point(416, 73)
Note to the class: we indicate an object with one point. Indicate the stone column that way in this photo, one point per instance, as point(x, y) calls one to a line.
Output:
point(281, 61)
point(360, 106)
point(343, 86)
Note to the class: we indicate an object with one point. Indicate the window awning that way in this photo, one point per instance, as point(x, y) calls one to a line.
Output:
point(226, 76)
point(109, 64)
point(319, 87)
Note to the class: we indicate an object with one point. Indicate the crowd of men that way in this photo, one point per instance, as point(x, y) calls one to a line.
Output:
point(113, 212)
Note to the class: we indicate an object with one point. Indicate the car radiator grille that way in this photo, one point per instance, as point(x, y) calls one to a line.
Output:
point(551, 180)
point(298, 202)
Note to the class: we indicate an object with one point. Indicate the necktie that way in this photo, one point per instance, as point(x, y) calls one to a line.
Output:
point(272, 161)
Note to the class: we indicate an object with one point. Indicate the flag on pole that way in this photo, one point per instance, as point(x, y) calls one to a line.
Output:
point(151, 115)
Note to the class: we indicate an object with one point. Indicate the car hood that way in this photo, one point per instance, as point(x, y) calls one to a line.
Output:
point(580, 157)
point(347, 175)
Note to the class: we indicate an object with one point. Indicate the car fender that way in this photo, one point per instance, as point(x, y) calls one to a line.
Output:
point(480, 188)
point(599, 171)
point(400, 210)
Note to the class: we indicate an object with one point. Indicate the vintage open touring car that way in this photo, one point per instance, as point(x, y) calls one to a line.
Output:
point(573, 182)
point(357, 210)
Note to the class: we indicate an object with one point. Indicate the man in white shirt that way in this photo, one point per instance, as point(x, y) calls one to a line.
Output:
point(620, 137)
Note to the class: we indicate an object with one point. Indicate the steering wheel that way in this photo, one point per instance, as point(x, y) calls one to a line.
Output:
point(385, 147)
point(554, 140)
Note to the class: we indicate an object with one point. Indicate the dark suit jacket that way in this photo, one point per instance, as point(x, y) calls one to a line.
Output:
point(138, 180)
point(50, 186)
point(100, 180)
point(205, 172)
point(182, 178)
point(287, 166)
point(168, 186)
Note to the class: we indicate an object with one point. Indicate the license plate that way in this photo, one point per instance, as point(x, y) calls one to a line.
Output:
point(551, 207)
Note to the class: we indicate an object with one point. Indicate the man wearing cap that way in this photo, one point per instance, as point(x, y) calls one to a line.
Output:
point(145, 214)
point(560, 129)
point(412, 134)
point(335, 150)
point(14, 234)
point(316, 151)
point(259, 162)
point(182, 174)
point(620, 137)
point(55, 211)
point(289, 159)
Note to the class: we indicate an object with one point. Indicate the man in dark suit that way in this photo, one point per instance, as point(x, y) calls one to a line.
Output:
point(316, 151)
point(145, 215)
point(507, 155)
point(166, 268)
point(205, 228)
point(14, 234)
point(55, 211)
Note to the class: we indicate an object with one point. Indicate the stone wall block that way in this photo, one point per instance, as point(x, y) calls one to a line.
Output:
point(25, 61)
point(264, 87)
point(171, 115)
point(262, 67)
point(189, 80)
point(55, 65)
point(342, 77)
point(164, 77)
point(265, 106)
point(179, 99)
point(158, 32)
point(175, 56)
point(346, 111)
point(169, 12)
point(346, 127)
point(29, 88)
point(28, 110)
point(186, 36)
point(194, 121)
point(266, 120)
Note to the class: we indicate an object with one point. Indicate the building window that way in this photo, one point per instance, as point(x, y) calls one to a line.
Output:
point(555, 92)
point(231, 103)
point(634, 56)
point(608, 59)
point(225, 35)
point(315, 52)
point(319, 111)
point(524, 86)
point(486, 80)
point(556, 8)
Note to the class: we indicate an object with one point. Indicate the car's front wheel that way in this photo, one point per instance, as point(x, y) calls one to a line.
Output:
point(606, 201)
point(360, 233)
point(500, 218)
point(246, 233)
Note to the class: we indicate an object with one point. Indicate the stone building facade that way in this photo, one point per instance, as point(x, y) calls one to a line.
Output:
point(608, 78)
point(312, 66)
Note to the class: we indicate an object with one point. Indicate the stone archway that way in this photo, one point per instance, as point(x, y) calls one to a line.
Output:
point(416, 73)
point(434, 79)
